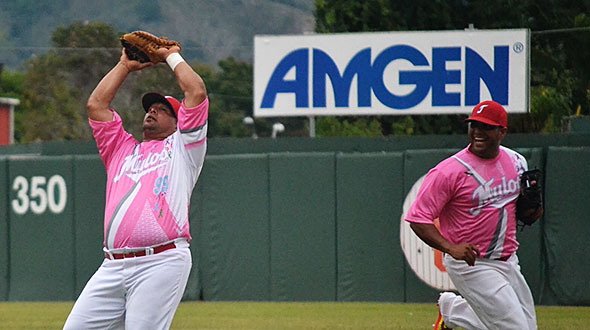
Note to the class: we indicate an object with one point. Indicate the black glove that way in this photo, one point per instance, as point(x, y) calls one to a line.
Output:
point(530, 199)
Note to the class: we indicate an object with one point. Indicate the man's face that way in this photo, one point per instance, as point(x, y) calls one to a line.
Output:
point(485, 139)
point(159, 122)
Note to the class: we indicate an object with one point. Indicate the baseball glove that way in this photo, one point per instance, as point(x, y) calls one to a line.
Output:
point(530, 198)
point(142, 46)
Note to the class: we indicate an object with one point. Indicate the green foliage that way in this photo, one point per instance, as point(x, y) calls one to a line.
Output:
point(381, 15)
point(85, 35)
point(230, 93)
point(52, 105)
point(578, 63)
point(560, 70)
point(405, 126)
point(423, 124)
point(548, 108)
point(59, 82)
point(12, 84)
point(333, 127)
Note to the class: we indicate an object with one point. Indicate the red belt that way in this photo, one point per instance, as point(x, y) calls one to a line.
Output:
point(141, 253)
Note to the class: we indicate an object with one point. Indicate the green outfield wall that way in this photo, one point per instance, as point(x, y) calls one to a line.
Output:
point(277, 225)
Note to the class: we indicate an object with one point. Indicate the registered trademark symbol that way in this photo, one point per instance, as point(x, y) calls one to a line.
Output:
point(518, 47)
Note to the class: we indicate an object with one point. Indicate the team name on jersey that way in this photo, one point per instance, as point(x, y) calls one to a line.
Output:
point(136, 166)
point(487, 194)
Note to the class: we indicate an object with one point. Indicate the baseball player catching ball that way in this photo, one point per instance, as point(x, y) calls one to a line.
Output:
point(474, 193)
point(149, 184)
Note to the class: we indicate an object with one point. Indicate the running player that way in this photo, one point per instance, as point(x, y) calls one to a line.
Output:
point(473, 193)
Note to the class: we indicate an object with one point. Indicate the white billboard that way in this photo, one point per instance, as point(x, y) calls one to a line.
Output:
point(390, 73)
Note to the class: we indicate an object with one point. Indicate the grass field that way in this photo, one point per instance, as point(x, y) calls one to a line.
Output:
point(286, 316)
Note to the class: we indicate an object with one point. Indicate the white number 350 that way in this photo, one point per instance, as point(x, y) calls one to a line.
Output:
point(38, 198)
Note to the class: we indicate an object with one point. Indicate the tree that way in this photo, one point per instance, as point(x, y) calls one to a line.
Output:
point(11, 84)
point(59, 82)
point(51, 104)
point(230, 93)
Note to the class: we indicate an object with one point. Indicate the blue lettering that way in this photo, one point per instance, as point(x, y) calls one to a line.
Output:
point(298, 59)
point(371, 80)
point(421, 79)
point(441, 77)
point(360, 65)
point(496, 80)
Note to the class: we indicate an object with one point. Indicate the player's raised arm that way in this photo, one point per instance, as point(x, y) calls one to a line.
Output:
point(100, 100)
point(190, 82)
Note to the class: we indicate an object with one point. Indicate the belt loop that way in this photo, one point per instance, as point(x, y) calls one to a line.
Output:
point(110, 255)
point(149, 251)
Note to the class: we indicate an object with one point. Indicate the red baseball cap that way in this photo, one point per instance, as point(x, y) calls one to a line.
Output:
point(154, 97)
point(489, 112)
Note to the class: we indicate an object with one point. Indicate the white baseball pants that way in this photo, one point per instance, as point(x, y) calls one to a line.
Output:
point(134, 293)
point(494, 293)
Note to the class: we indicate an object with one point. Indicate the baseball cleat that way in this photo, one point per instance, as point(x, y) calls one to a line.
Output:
point(440, 323)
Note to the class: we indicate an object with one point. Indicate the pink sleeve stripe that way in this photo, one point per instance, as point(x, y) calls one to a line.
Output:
point(193, 117)
point(196, 144)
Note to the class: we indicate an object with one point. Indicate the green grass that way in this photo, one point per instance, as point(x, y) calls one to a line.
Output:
point(286, 316)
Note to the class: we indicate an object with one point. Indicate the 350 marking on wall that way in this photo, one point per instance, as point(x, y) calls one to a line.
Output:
point(38, 194)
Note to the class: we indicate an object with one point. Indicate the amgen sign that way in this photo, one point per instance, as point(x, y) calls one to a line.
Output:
point(390, 73)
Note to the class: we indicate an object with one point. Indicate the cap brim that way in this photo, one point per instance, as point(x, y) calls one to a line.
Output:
point(154, 97)
point(483, 120)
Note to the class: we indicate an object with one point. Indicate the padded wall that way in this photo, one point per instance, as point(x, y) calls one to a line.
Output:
point(566, 224)
point(370, 262)
point(302, 227)
point(89, 200)
point(280, 227)
point(234, 230)
point(41, 230)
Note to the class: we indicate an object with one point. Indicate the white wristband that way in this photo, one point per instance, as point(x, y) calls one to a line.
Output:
point(173, 60)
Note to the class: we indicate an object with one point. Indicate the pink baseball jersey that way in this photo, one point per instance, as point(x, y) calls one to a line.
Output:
point(149, 184)
point(474, 200)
